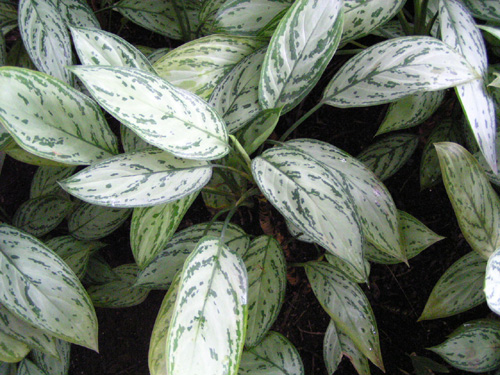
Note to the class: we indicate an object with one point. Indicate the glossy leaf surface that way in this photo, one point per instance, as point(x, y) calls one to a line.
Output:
point(51, 365)
point(12, 350)
point(45, 180)
point(78, 13)
point(492, 282)
point(488, 10)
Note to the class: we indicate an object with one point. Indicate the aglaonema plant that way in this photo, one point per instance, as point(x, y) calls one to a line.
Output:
point(197, 119)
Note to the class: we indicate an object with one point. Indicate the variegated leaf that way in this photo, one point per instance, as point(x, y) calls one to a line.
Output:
point(153, 227)
point(430, 173)
point(473, 347)
point(492, 282)
point(77, 13)
point(12, 350)
point(218, 195)
point(98, 47)
point(488, 10)
point(51, 365)
point(389, 30)
point(163, 115)
point(459, 289)
point(312, 196)
point(26, 367)
point(131, 141)
point(266, 269)
point(476, 204)
point(243, 17)
point(40, 288)
point(388, 155)
point(337, 344)
point(207, 330)
point(199, 66)
point(153, 57)
point(348, 307)
point(119, 293)
point(45, 181)
point(46, 37)
point(74, 252)
point(376, 209)
point(99, 271)
point(274, 355)
point(161, 271)
point(17, 153)
point(137, 179)
point(18, 329)
point(39, 216)
point(458, 29)
point(52, 120)
point(411, 111)
point(255, 132)
point(270, 28)
point(348, 270)
point(362, 16)
point(236, 97)
point(396, 68)
point(158, 344)
point(5, 138)
point(300, 49)
point(91, 222)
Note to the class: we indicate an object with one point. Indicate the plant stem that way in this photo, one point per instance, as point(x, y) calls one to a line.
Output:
point(242, 154)
point(218, 192)
point(234, 170)
point(349, 51)
point(300, 121)
point(357, 44)
point(404, 23)
point(296, 264)
point(111, 7)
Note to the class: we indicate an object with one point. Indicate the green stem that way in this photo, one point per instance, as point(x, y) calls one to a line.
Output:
point(111, 7)
point(349, 51)
point(358, 44)
point(296, 264)
point(404, 23)
point(234, 170)
point(212, 221)
point(242, 152)
point(300, 121)
point(210, 190)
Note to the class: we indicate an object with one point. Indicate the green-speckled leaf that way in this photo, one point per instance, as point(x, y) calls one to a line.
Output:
point(236, 97)
point(411, 111)
point(199, 66)
point(476, 204)
point(350, 271)
point(99, 271)
point(119, 293)
point(154, 56)
point(98, 47)
point(161, 271)
point(142, 178)
point(17, 153)
point(39, 216)
point(389, 30)
point(50, 119)
point(18, 329)
point(12, 350)
point(459, 289)
point(376, 209)
point(51, 365)
point(300, 49)
point(131, 141)
point(348, 307)
point(26, 367)
point(275, 355)
point(40, 288)
point(207, 330)
point(416, 238)
point(459, 30)
point(266, 268)
point(430, 173)
point(393, 69)
point(247, 17)
point(153, 227)
point(387, 155)
point(312, 196)
point(91, 222)
point(78, 13)
point(473, 347)
point(362, 16)
point(163, 115)
point(158, 343)
point(46, 37)
point(492, 282)
point(255, 132)
point(488, 10)
point(45, 181)
point(74, 252)
point(337, 344)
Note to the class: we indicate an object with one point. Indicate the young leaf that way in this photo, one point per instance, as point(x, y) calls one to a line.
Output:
point(46, 37)
point(99, 271)
point(348, 306)
point(492, 282)
point(50, 119)
point(255, 132)
point(51, 365)
point(312, 196)
point(142, 178)
point(45, 181)
point(274, 355)
point(169, 118)
point(41, 289)
point(207, 330)
point(388, 155)
point(459, 289)
point(153, 227)
point(396, 68)
point(488, 10)
point(12, 350)
point(299, 51)
point(77, 13)
point(266, 268)
point(98, 47)
point(476, 204)
point(473, 347)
